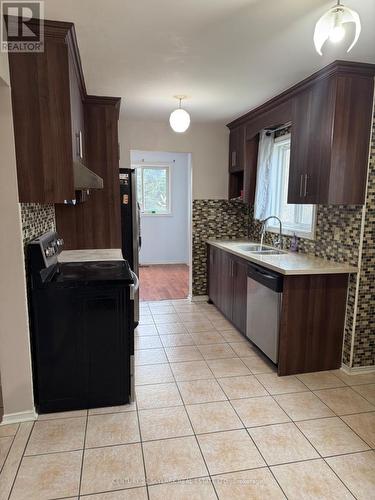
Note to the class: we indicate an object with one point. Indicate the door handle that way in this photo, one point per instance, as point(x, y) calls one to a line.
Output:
point(305, 190)
point(134, 287)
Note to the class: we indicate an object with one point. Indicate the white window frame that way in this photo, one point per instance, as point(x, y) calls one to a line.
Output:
point(164, 166)
point(272, 225)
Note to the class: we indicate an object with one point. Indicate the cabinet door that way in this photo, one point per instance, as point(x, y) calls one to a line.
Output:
point(41, 119)
point(250, 171)
point(239, 308)
point(350, 144)
point(77, 114)
point(236, 149)
point(226, 284)
point(298, 148)
point(213, 275)
point(310, 154)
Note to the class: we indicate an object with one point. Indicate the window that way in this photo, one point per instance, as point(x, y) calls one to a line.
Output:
point(153, 189)
point(299, 219)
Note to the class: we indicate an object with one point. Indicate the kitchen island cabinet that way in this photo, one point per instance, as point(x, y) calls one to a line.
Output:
point(312, 316)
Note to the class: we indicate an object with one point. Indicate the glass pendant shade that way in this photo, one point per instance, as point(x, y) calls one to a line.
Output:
point(179, 119)
point(332, 26)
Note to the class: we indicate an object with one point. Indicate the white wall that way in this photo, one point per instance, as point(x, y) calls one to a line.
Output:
point(165, 237)
point(15, 360)
point(207, 143)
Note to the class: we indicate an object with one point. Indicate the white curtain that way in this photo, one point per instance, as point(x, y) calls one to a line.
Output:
point(262, 206)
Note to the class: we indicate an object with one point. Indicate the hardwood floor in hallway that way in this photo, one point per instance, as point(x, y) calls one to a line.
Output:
point(162, 282)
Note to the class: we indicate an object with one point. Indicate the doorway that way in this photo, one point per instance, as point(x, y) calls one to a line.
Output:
point(164, 195)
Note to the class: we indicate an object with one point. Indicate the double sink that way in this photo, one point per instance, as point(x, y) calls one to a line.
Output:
point(259, 249)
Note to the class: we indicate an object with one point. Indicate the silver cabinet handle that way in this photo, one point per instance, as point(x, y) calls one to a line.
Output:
point(234, 158)
point(300, 185)
point(134, 287)
point(79, 146)
point(305, 190)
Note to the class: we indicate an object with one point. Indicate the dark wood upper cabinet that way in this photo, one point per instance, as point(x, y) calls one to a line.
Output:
point(96, 223)
point(250, 172)
point(47, 94)
point(243, 160)
point(331, 116)
point(331, 126)
point(237, 149)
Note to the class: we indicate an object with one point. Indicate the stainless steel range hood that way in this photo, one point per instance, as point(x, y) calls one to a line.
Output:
point(85, 178)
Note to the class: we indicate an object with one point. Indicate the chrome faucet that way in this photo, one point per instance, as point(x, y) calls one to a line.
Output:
point(279, 241)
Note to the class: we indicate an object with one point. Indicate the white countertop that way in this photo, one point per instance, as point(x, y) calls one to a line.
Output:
point(90, 255)
point(288, 263)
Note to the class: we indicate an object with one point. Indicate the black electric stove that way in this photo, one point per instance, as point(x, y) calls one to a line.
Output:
point(82, 333)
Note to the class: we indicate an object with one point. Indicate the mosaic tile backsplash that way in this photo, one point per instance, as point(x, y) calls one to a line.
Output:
point(220, 219)
point(36, 220)
point(364, 338)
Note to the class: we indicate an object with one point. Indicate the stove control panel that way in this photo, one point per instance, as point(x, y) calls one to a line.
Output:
point(43, 251)
point(49, 251)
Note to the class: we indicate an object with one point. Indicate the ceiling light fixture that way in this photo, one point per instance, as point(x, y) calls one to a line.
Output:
point(179, 119)
point(331, 26)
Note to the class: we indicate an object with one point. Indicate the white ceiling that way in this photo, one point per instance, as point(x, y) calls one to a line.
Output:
point(228, 55)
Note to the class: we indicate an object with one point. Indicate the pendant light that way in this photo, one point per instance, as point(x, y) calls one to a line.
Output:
point(331, 26)
point(179, 119)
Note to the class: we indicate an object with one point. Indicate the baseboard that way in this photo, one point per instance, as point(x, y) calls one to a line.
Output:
point(357, 369)
point(16, 418)
point(150, 264)
point(199, 298)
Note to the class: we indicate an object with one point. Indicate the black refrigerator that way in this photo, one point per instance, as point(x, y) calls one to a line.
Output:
point(131, 229)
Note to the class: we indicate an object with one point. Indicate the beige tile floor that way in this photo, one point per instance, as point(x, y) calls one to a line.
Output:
point(212, 421)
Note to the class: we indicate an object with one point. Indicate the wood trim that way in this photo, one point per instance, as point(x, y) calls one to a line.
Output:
point(104, 101)
point(337, 67)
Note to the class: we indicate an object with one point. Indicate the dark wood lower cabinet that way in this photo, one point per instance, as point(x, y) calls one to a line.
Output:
point(312, 323)
point(227, 285)
point(312, 313)
point(213, 256)
point(239, 305)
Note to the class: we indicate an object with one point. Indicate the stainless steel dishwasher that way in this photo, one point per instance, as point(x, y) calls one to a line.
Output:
point(264, 296)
